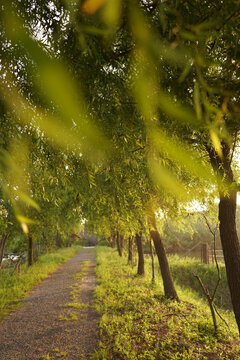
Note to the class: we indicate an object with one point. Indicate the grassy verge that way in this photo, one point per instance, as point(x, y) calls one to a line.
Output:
point(14, 287)
point(138, 323)
point(183, 269)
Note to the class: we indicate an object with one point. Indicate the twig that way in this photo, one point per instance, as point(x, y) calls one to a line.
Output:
point(213, 232)
point(227, 20)
point(225, 322)
point(234, 146)
point(209, 299)
point(139, 148)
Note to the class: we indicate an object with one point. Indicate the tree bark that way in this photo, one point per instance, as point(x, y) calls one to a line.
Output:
point(112, 240)
point(119, 248)
point(168, 284)
point(231, 249)
point(2, 246)
point(58, 240)
point(30, 250)
point(113, 243)
point(152, 258)
point(130, 250)
point(121, 242)
point(227, 222)
point(140, 270)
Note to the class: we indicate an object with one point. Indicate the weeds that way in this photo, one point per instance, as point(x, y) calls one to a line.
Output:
point(76, 305)
point(139, 323)
point(68, 317)
point(183, 268)
point(75, 292)
point(46, 357)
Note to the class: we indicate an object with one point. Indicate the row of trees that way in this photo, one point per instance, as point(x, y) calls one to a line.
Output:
point(115, 112)
point(37, 193)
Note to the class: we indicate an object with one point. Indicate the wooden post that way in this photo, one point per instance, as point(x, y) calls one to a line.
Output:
point(205, 253)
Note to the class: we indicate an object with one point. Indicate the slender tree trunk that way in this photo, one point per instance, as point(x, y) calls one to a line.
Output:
point(130, 250)
point(58, 240)
point(119, 248)
point(231, 249)
point(140, 270)
point(2, 246)
point(227, 222)
point(169, 288)
point(121, 242)
point(30, 250)
point(152, 258)
point(113, 243)
point(111, 240)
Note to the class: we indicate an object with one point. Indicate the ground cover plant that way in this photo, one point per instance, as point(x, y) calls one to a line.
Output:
point(14, 286)
point(137, 322)
point(183, 269)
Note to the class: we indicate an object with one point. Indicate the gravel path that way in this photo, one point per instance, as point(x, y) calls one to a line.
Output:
point(46, 329)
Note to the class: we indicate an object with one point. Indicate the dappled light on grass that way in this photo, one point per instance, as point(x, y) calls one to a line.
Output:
point(137, 322)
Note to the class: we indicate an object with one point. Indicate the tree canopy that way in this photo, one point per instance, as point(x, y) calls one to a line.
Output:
point(113, 110)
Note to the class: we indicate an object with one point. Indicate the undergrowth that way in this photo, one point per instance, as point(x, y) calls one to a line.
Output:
point(14, 286)
point(137, 322)
point(183, 269)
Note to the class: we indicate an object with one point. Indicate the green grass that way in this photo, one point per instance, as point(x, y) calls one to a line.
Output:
point(76, 305)
point(14, 287)
point(68, 317)
point(137, 322)
point(77, 289)
point(183, 269)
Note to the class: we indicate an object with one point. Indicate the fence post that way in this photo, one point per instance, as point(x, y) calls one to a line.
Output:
point(205, 253)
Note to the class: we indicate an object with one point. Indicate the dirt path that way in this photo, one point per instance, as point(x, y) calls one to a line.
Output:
point(44, 328)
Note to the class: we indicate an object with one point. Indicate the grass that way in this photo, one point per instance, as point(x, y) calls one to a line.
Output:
point(183, 269)
point(137, 322)
point(76, 291)
point(14, 287)
point(68, 317)
point(76, 305)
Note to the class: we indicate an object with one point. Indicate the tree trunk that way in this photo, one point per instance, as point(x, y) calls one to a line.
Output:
point(121, 242)
point(169, 288)
point(152, 258)
point(130, 250)
point(58, 240)
point(119, 248)
point(113, 242)
point(2, 246)
point(227, 222)
point(140, 270)
point(30, 251)
point(231, 249)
